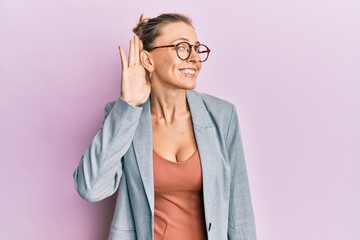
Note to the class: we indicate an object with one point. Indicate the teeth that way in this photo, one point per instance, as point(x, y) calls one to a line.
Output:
point(188, 71)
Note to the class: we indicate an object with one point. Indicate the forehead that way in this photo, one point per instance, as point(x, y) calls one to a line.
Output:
point(173, 31)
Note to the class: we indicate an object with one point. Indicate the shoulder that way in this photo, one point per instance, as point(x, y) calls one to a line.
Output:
point(213, 101)
point(217, 106)
point(109, 105)
point(210, 109)
point(119, 102)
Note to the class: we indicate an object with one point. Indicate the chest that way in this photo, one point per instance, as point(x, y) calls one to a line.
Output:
point(175, 142)
point(177, 177)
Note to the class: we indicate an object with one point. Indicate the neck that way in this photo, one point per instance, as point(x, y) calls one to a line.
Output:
point(168, 106)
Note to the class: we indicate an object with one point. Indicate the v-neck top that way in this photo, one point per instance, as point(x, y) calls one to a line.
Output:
point(179, 208)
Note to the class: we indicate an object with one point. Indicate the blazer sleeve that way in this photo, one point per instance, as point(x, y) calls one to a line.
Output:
point(241, 218)
point(98, 174)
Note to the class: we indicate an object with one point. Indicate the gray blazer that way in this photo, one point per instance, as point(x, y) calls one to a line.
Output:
point(120, 156)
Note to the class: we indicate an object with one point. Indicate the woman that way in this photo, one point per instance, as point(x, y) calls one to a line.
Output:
point(174, 154)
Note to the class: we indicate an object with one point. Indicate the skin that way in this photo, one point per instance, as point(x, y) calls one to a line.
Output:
point(172, 129)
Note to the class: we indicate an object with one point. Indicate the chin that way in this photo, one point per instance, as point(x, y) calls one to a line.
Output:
point(193, 86)
point(188, 85)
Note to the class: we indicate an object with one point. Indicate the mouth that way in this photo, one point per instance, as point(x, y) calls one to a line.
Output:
point(188, 72)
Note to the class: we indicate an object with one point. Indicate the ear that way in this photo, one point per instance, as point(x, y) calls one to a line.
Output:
point(146, 60)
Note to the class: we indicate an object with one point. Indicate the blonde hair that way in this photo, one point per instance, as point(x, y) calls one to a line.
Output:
point(148, 29)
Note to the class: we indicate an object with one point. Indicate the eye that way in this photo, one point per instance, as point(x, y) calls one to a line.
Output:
point(181, 48)
point(196, 48)
point(201, 49)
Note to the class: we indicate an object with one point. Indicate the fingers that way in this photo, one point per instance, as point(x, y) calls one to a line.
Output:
point(132, 53)
point(123, 58)
point(141, 46)
point(137, 51)
point(135, 46)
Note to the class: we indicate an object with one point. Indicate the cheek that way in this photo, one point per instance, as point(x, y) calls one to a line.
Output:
point(162, 60)
point(199, 66)
point(168, 65)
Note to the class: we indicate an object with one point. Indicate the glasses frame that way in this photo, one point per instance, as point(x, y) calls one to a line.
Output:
point(196, 46)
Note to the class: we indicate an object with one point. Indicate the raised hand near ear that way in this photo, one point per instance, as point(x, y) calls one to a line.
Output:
point(135, 88)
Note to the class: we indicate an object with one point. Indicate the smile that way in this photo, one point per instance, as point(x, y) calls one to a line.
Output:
point(188, 71)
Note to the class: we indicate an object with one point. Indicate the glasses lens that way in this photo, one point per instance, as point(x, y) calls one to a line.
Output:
point(183, 50)
point(203, 52)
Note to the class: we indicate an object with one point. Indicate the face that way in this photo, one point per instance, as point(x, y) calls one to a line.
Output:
point(168, 69)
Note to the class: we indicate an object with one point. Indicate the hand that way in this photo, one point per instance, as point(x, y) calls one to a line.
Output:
point(135, 88)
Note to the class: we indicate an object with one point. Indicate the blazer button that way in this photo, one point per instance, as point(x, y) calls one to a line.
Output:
point(209, 227)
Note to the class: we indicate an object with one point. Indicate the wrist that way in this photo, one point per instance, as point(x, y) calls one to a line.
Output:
point(131, 102)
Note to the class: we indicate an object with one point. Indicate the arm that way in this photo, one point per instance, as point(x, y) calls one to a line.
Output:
point(241, 218)
point(99, 171)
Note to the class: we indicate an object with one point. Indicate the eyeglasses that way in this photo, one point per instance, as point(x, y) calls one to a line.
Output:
point(183, 50)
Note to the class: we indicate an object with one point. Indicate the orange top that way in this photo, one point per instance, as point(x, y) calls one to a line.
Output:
point(179, 208)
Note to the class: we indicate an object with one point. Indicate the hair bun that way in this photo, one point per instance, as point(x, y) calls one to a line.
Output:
point(142, 19)
point(138, 29)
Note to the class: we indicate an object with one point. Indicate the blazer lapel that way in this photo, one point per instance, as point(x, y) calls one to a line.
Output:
point(206, 140)
point(142, 143)
point(205, 136)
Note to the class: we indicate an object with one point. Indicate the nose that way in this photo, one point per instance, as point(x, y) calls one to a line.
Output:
point(194, 56)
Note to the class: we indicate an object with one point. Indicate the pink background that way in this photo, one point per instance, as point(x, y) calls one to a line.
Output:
point(291, 67)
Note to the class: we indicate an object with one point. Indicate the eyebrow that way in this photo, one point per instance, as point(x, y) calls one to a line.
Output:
point(185, 39)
